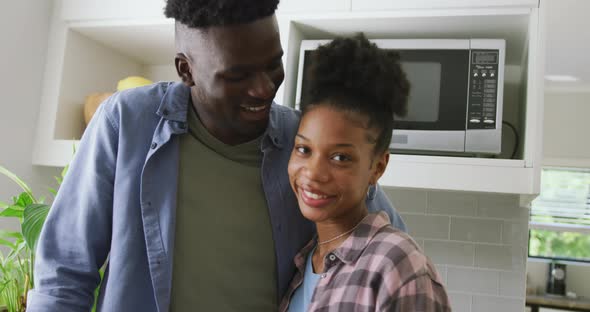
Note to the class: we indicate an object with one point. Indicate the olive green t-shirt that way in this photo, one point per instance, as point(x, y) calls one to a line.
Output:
point(224, 256)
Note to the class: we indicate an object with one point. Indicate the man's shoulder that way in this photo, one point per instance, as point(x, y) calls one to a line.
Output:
point(135, 103)
point(287, 114)
point(285, 120)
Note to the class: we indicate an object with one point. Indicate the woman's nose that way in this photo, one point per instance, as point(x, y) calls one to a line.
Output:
point(316, 170)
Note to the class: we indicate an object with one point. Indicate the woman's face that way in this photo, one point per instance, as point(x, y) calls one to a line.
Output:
point(332, 164)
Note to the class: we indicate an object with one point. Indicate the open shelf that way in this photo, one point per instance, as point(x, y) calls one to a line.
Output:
point(517, 25)
point(92, 55)
point(95, 60)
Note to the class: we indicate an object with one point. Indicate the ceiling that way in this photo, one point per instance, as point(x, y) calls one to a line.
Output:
point(568, 43)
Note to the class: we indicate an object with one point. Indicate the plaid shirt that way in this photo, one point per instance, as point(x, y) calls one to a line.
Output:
point(377, 268)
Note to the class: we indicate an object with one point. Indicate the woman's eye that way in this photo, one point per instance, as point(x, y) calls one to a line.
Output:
point(302, 149)
point(340, 157)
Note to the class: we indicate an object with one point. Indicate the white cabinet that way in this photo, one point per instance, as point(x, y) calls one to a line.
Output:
point(368, 5)
point(290, 6)
point(566, 129)
point(94, 45)
point(520, 23)
point(87, 55)
point(82, 10)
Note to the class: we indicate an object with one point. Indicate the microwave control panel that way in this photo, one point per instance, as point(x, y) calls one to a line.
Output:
point(483, 89)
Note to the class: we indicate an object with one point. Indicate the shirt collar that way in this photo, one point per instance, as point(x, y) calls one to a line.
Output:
point(174, 106)
point(352, 248)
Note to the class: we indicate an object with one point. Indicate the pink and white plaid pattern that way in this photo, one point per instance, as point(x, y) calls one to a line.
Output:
point(377, 268)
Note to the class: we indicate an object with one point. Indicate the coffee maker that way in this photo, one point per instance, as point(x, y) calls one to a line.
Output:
point(556, 279)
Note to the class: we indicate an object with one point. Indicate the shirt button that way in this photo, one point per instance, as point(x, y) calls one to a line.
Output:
point(323, 275)
point(154, 145)
point(332, 257)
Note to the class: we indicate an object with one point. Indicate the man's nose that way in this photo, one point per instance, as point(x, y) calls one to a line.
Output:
point(263, 87)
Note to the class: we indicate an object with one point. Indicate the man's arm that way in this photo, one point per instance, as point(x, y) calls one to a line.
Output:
point(378, 201)
point(75, 239)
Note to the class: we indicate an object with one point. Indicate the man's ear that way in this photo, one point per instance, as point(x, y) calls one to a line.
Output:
point(380, 163)
point(183, 69)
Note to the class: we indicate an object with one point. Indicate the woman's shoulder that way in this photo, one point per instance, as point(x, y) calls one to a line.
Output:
point(397, 253)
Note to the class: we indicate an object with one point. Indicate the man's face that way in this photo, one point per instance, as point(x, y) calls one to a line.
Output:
point(236, 71)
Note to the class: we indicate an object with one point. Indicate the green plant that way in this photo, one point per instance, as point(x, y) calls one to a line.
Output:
point(16, 267)
point(560, 245)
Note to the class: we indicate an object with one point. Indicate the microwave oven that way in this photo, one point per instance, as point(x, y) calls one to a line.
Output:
point(455, 102)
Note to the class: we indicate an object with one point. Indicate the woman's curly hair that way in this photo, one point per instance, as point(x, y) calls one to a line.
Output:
point(206, 13)
point(353, 74)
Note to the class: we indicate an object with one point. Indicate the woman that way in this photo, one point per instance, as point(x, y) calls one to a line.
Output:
point(357, 261)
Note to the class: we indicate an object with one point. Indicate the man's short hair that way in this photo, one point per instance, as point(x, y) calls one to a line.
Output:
point(206, 13)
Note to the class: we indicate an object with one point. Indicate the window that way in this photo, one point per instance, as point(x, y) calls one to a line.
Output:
point(560, 216)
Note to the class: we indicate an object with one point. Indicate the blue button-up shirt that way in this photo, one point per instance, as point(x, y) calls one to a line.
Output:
point(118, 202)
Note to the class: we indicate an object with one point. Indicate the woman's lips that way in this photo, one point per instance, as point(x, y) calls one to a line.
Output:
point(315, 199)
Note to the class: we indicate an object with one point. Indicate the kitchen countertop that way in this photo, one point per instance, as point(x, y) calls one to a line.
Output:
point(559, 302)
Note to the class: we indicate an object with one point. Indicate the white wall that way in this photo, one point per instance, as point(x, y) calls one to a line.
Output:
point(565, 143)
point(478, 242)
point(566, 128)
point(24, 28)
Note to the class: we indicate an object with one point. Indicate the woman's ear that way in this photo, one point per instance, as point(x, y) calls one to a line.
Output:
point(183, 69)
point(379, 164)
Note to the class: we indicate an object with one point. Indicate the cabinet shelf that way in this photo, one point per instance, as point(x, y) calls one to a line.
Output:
point(89, 51)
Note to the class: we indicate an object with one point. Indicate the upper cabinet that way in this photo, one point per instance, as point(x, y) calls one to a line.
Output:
point(565, 128)
point(360, 5)
point(131, 37)
point(291, 6)
point(76, 10)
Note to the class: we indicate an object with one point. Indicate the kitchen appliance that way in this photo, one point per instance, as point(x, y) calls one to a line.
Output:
point(455, 103)
point(556, 279)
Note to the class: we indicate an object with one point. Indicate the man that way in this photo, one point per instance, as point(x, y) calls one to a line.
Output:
point(190, 176)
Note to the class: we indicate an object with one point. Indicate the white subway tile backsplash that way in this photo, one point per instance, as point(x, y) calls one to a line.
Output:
point(509, 258)
point(452, 203)
point(473, 280)
point(495, 304)
point(515, 233)
point(442, 272)
point(425, 226)
point(503, 206)
point(454, 253)
point(513, 284)
point(460, 302)
point(407, 200)
point(476, 230)
point(477, 241)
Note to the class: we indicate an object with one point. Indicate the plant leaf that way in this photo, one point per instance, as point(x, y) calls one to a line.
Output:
point(34, 217)
point(7, 243)
point(16, 235)
point(13, 211)
point(16, 180)
point(65, 170)
point(3, 205)
point(52, 191)
point(25, 199)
